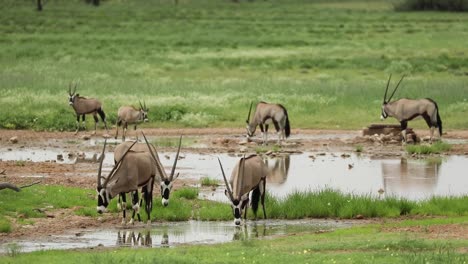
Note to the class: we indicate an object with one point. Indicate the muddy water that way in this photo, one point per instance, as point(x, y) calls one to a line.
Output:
point(173, 234)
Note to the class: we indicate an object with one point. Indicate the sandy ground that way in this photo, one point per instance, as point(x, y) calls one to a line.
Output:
point(213, 141)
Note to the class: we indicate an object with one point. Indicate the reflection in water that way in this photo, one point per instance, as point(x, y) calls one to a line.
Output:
point(173, 234)
point(129, 239)
point(278, 168)
point(410, 176)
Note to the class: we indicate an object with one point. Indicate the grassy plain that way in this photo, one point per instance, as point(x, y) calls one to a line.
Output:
point(200, 63)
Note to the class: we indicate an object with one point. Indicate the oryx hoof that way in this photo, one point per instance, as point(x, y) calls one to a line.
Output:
point(124, 222)
point(131, 222)
point(94, 132)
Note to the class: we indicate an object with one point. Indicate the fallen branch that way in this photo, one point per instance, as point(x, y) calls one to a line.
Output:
point(6, 185)
point(3, 172)
point(29, 185)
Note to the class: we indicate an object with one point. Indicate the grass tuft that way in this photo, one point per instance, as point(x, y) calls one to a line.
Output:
point(436, 148)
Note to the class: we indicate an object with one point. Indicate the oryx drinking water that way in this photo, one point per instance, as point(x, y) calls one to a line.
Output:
point(130, 115)
point(133, 170)
point(165, 181)
point(249, 175)
point(84, 106)
point(266, 113)
point(405, 110)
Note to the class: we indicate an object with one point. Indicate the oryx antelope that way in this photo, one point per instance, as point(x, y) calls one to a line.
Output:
point(266, 113)
point(130, 115)
point(132, 171)
point(405, 110)
point(84, 106)
point(165, 181)
point(248, 175)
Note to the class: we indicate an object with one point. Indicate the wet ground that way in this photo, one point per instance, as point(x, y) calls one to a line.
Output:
point(176, 233)
point(309, 160)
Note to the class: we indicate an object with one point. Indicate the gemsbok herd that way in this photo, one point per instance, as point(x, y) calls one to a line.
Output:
point(137, 166)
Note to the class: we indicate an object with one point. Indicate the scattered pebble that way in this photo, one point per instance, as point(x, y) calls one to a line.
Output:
point(14, 140)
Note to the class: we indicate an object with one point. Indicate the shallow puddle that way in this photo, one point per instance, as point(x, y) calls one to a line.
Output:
point(412, 179)
point(349, 173)
point(173, 234)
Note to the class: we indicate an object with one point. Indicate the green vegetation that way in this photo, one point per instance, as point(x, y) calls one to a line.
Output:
point(35, 201)
point(201, 63)
point(375, 243)
point(436, 148)
point(359, 148)
point(207, 181)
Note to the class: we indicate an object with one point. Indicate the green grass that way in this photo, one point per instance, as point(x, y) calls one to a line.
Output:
point(31, 203)
point(201, 63)
point(359, 244)
point(436, 148)
point(207, 181)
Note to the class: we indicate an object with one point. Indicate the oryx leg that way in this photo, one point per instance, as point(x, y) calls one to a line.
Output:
point(429, 123)
point(262, 196)
point(404, 125)
point(147, 192)
point(96, 120)
point(83, 117)
point(278, 131)
point(135, 128)
point(124, 128)
point(123, 206)
point(135, 207)
point(265, 135)
point(77, 124)
point(244, 206)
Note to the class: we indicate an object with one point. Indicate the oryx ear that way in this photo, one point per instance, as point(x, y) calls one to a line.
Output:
point(226, 193)
point(77, 95)
point(175, 177)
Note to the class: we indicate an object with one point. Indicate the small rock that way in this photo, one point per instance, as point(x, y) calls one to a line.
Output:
point(60, 157)
point(242, 143)
point(359, 216)
point(344, 155)
point(381, 191)
point(350, 166)
point(167, 156)
point(322, 154)
point(243, 149)
point(85, 137)
point(14, 140)
point(268, 152)
point(50, 216)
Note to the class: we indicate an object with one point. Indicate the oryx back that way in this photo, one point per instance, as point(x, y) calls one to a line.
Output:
point(129, 114)
point(249, 176)
point(83, 105)
point(136, 170)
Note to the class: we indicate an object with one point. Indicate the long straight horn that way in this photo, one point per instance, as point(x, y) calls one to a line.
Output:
point(396, 87)
point(69, 89)
point(386, 89)
point(240, 177)
point(144, 106)
point(100, 164)
point(74, 88)
point(141, 106)
point(250, 110)
point(225, 181)
point(175, 161)
point(158, 165)
point(118, 164)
